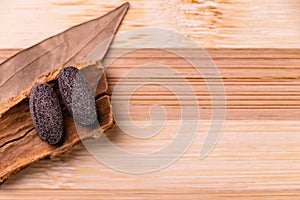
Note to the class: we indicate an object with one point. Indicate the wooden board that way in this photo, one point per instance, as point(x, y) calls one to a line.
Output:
point(212, 23)
point(257, 155)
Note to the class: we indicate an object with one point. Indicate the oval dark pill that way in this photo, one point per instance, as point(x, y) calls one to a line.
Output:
point(46, 113)
point(77, 95)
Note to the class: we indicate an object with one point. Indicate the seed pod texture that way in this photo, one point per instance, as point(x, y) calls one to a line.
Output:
point(46, 113)
point(77, 95)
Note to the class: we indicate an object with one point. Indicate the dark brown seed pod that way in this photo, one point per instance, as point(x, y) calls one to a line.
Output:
point(46, 113)
point(77, 95)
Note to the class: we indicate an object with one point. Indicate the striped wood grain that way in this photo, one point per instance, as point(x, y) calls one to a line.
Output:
point(257, 155)
point(212, 23)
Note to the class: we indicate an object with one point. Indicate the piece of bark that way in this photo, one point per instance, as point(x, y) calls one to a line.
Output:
point(19, 143)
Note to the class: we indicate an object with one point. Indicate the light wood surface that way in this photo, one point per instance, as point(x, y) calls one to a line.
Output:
point(212, 23)
point(257, 155)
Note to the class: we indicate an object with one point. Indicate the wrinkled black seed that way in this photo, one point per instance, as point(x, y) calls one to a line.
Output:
point(46, 113)
point(77, 95)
